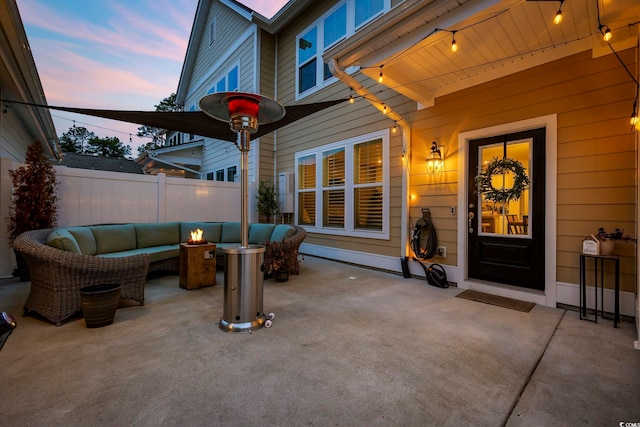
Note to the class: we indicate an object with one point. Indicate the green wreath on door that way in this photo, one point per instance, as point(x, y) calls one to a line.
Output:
point(497, 166)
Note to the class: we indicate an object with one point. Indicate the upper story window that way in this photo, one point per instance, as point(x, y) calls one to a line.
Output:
point(212, 31)
point(334, 26)
point(365, 10)
point(228, 83)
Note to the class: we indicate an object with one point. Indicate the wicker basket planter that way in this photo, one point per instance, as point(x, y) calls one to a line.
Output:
point(99, 304)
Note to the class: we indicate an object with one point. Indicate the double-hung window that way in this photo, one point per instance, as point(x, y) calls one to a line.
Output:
point(342, 188)
point(341, 21)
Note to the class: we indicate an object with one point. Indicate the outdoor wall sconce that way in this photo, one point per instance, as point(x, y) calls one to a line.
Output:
point(435, 162)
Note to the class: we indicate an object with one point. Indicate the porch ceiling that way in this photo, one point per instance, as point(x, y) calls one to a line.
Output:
point(494, 38)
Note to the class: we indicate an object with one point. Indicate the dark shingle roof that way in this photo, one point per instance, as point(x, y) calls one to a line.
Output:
point(111, 164)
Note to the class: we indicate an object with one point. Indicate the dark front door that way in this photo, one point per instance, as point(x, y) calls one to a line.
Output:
point(506, 238)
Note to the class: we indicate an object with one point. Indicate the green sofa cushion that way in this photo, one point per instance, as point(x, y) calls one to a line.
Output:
point(84, 237)
point(158, 253)
point(211, 231)
point(148, 235)
point(281, 232)
point(260, 233)
point(231, 233)
point(63, 240)
point(114, 238)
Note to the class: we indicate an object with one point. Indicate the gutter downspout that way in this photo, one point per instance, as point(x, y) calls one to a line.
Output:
point(357, 87)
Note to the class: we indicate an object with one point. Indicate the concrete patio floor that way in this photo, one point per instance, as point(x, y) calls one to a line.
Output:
point(349, 347)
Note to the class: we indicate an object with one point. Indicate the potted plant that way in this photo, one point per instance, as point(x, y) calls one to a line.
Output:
point(608, 240)
point(276, 260)
point(33, 200)
point(266, 200)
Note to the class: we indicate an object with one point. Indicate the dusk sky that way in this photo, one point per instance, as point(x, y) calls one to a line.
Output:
point(115, 54)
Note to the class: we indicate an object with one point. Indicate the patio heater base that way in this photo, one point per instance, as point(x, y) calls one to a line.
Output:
point(243, 289)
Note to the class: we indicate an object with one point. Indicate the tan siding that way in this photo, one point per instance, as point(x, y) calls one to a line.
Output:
point(596, 150)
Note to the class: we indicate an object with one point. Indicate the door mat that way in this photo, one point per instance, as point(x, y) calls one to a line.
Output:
point(499, 301)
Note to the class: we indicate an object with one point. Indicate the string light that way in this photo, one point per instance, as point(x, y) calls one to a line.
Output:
point(351, 100)
point(634, 115)
point(380, 78)
point(606, 32)
point(558, 18)
point(454, 45)
point(395, 126)
point(384, 108)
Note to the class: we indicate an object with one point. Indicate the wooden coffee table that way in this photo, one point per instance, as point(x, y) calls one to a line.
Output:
point(197, 265)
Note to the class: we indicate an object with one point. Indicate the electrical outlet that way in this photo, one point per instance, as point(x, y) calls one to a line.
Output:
point(453, 210)
point(441, 251)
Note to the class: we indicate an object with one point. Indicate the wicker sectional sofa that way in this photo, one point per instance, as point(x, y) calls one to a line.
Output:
point(62, 261)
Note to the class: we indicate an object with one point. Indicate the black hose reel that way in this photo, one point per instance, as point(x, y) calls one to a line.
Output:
point(424, 244)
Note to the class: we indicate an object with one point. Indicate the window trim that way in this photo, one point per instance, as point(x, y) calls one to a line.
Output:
point(349, 205)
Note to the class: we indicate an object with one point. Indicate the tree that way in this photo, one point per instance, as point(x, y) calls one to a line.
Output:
point(33, 202)
point(76, 139)
point(167, 104)
point(108, 147)
point(266, 200)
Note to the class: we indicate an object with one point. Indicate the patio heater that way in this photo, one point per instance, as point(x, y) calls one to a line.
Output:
point(243, 276)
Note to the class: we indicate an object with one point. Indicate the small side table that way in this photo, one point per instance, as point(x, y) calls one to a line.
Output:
point(197, 265)
point(599, 266)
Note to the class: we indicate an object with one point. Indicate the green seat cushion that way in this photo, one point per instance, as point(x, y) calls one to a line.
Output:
point(260, 233)
point(211, 231)
point(114, 238)
point(148, 235)
point(63, 240)
point(84, 237)
point(158, 253)
point(231, 232)
point(281, 232)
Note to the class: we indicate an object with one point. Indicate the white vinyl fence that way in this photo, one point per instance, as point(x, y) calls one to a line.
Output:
point(89, 197)
point(99, 197)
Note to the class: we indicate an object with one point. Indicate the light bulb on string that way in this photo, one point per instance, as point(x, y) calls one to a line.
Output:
point(380, 78)
point(606, 32)
point(558, 17)
point(395, 126)
point(454, 45)
point(351, 100)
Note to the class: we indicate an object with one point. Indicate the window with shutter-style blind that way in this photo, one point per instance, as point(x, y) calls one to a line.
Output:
point(333, 180)
point(307, 190)
point(348, 193)
point(368, 185)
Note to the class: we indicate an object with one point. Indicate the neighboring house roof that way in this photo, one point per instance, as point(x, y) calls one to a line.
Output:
point(19, 80)
point(110, 164)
